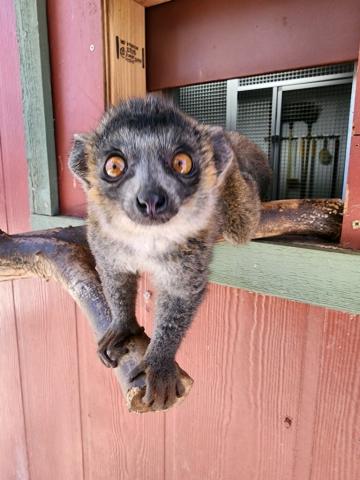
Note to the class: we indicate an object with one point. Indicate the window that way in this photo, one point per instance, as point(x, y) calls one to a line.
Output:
point(299, 118)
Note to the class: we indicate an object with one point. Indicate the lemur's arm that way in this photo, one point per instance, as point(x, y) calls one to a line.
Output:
point(120, 293)
point(120, 289)
point(179, 296)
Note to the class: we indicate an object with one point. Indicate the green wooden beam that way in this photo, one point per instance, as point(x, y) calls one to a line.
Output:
point(42, 222)
point(321, 276)
point(37, 105)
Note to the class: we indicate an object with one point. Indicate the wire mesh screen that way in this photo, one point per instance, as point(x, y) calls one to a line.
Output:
point(294, 74)
point(314, 125)
point(205, 102)
point(254, 116)
point(310, 160)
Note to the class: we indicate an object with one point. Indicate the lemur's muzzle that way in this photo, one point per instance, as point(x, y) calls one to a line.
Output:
point(152, 202)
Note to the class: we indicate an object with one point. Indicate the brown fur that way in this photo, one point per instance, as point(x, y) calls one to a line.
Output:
point(224, 197)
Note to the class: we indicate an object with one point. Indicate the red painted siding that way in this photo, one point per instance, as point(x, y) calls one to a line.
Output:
point(13, 217)
point(40, 412)
point(76, 50)
point(192, 42)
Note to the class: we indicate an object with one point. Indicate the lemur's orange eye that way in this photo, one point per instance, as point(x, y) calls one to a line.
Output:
point(182, 163)
point(115, 166)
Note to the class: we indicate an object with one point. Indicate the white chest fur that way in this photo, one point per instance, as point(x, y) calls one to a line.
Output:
point(146, 244)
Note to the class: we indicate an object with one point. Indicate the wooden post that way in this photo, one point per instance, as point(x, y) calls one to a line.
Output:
point(37, 105)
point(124, 32)
point(350, 237)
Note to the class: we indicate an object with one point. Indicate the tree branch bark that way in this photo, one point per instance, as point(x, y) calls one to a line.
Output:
point(64, 254)
point(318, 217)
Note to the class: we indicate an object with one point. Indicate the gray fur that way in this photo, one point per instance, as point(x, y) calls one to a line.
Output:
point(175, 246)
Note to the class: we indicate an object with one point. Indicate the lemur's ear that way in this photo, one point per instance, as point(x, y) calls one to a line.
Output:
point(78, 159)
point(223, 151)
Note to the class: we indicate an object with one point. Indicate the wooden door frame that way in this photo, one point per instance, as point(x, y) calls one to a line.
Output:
point(350, 237)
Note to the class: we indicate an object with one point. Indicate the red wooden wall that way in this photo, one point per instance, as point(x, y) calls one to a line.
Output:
point(276, 393)
point(76, 57)
point(201, 41)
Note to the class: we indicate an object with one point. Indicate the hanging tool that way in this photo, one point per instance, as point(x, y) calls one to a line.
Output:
point(310, 192)
point(325, 156)
point(336, 166)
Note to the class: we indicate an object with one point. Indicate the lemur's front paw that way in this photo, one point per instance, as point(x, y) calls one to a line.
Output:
point(163, 383)
point(112, 345)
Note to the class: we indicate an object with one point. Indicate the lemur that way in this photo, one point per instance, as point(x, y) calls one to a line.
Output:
point(161, 188)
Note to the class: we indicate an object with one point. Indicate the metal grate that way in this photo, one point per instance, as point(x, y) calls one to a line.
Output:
point(205, 102)
point(314, 125)
point(307, 162)
point(296, 74)
point(254, 116)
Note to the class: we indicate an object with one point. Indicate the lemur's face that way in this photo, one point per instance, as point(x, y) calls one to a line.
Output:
point(149, 162)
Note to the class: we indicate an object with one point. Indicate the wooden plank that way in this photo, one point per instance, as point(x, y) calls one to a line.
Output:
point(336, 427)
point(275, 396)
point(50, 379)
point(77, 67)
point(306, 411)
point(12, 141)
point(350, 236)
point(328, 278)
point(13, 460)
point(243, 405)
point(356, 119)
point(3, 216)
point(124, 30)
point(351, 224)
point(13, 456)
point(117, 444)
point(37, 105)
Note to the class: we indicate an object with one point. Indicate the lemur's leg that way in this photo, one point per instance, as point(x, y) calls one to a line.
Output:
point(179, 296)
point(120, 292)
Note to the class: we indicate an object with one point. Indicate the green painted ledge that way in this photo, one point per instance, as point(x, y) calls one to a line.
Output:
point(42, 222)
point(320, 276)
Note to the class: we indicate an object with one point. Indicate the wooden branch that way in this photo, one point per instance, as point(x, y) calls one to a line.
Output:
point(64, 254)
point(318, 217)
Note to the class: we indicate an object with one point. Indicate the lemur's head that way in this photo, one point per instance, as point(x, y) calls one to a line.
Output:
point(150, 163)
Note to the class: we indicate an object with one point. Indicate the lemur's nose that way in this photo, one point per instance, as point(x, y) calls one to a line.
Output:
point(152, 202)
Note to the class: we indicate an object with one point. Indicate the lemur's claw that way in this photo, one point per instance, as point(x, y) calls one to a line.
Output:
point(107, 360)
point(163, 384)
point(112, 346)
